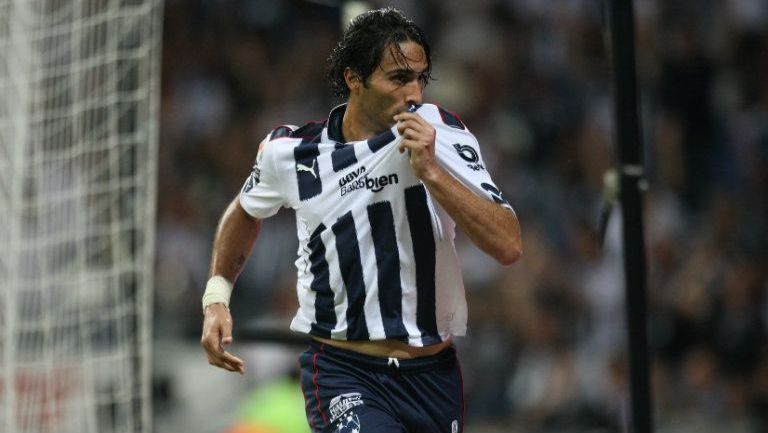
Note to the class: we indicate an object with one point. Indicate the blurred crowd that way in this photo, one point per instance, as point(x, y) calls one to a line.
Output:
point(546, 348)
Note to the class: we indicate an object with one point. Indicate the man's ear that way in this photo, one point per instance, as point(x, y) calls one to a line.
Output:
point(352, 79)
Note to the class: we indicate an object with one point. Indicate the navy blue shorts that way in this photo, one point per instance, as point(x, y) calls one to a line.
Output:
point(347, 392)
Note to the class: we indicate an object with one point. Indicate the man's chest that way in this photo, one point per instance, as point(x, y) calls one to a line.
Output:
point(326, 180)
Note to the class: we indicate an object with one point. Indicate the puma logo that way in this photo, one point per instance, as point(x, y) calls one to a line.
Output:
point(311, 170)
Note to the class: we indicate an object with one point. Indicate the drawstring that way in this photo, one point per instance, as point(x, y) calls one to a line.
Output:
point(394, 361)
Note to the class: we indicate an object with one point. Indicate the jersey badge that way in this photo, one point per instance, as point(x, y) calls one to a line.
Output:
point(469, 154)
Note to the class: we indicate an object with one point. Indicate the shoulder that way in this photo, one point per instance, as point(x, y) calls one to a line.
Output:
point(289, 133)
point(286, 137)
point(439, 116)
point(310, 131)
point(448, 125)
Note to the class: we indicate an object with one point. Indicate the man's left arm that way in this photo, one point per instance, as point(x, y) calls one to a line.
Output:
point(494, 228)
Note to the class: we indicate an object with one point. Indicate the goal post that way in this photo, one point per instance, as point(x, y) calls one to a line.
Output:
point(79, 105)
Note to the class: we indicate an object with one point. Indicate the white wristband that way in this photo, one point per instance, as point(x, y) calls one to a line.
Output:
point(217, 290)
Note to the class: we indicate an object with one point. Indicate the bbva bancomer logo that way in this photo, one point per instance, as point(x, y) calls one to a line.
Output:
point(358, 179)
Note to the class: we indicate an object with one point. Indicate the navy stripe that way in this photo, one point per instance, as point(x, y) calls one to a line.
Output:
point(380, 140)
point(307, 169)
point(280, 132)
point(420, 222)
point(388, 263)
point(352, 274)
point(309, 130)
point(451, 119)
point(343, 157)
point(325, 315)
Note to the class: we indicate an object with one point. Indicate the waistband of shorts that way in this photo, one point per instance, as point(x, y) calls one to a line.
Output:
point(446, 357)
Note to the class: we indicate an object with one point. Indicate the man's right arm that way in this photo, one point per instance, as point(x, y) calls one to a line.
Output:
point(233, 243)
point(235, 237)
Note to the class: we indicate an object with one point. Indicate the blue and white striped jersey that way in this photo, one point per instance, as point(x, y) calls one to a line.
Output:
point(376, 257)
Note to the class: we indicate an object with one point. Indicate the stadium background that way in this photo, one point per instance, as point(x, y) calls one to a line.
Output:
point(546, 346)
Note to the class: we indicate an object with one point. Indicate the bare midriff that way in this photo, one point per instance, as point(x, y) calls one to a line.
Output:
point(386, 348)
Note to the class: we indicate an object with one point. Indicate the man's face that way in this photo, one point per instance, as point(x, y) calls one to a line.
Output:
point(395, 84)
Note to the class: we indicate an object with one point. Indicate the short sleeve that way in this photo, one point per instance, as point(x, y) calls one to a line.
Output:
point(261, 196)
point(459, 152)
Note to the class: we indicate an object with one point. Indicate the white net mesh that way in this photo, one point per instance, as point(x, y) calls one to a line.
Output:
point(78, 135)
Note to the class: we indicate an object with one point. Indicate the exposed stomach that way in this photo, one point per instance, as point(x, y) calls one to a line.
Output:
point(387, 348)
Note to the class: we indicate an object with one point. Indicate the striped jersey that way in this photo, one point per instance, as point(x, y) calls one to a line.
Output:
point(376, 257)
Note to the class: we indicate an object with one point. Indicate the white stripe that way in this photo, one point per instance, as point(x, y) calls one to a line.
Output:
point(337, 285)
point(407, 276)
point(305, 316)
point(372, 308)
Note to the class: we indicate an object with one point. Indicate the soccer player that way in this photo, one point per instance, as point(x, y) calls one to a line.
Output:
point(378, 189)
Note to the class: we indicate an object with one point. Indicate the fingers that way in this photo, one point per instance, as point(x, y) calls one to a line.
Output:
point(226, 331)
point(413, 121)
point(419, 139)
point(227, 361)
point(219, 357)
point(217, 333)
point(416, 140)
point(412, 134)
point(414, 127)
point(218, 362)
point(227, 365)
point(404, 116)
point(411, 140)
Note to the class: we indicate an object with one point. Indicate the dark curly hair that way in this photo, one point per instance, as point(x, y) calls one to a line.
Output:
point(363, 44)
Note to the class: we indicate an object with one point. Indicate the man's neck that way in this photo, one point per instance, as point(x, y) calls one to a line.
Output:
point(356, 126)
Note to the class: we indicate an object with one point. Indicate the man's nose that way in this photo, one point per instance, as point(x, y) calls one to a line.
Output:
point(414, 93)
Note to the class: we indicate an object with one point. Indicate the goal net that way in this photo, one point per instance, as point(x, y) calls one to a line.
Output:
point(79, 99)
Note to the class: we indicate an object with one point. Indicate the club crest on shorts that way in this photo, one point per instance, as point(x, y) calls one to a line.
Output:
point(350, 423)
point(342, 403)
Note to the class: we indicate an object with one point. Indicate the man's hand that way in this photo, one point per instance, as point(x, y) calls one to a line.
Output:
point(494, 229)
point(419, 140)
point(217, 333)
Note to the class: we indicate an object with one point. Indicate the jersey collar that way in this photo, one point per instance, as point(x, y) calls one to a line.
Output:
point(335, 119)
point(333, 131)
